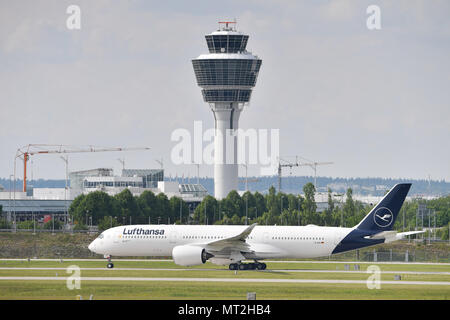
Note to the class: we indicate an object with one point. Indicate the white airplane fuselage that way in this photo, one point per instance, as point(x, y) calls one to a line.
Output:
point(266, 241)
point(221, 244)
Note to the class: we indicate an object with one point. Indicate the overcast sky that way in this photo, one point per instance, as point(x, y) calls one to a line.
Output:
point(374, 102)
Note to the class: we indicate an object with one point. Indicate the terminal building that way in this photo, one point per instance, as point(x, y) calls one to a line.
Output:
point(36, 203)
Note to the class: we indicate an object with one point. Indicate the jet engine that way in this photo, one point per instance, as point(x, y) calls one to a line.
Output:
point(190, 255)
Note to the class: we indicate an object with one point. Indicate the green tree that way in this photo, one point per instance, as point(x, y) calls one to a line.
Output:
point(163, 211)
point(272, 203)
point(77, 209)
point(148, 205)
point(208, 205)
point(445, 232)
point(269, 218)
point(127, 206)
point(235, 219)
point(349, 209)
point(249, 204)
point(328, 213)
point(309, 204)
point(97, 205)
point(4, 224)
point(107, 222)
point(260, 204)
point(177, 204)
point(233, 204)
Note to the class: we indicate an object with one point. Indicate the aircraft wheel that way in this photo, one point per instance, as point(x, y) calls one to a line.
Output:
point(259, 266)
point(242, 266)
point(110, 265)
point(264, 266)
point(233, 266)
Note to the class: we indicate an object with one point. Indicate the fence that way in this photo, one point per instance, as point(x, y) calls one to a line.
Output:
point(415, 254)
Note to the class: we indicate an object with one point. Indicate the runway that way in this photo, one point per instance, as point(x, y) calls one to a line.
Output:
point(268, 261)
point(212, 269)
point(426, 283)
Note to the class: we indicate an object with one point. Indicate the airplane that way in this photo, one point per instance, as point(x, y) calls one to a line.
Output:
point(191, 245)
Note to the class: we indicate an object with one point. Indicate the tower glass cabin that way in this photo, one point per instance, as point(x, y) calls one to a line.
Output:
point(227, 75)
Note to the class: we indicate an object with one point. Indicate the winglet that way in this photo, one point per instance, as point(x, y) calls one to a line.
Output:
point(244, 234)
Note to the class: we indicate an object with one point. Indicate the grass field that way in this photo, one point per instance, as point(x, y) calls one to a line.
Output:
point(190, 288)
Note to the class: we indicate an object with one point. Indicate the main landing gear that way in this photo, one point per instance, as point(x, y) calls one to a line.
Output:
point(248, 266)
point(110, 265)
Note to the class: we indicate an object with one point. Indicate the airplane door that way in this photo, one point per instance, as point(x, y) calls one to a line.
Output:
point(266, 237)
point(117, 236)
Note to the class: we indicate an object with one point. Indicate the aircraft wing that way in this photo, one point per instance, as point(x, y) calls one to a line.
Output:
point(235, 243)
point(390, 236)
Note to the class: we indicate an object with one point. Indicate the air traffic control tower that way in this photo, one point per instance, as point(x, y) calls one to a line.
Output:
point(227, 75)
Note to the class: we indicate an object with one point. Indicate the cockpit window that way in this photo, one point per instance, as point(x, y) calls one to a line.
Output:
point(100, 236)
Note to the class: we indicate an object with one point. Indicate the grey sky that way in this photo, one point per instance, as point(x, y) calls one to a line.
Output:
point(376, 103)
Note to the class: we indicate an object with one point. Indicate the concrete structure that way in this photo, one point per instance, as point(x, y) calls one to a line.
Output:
point(103, 179)
point(227, 75)
point(36, 203)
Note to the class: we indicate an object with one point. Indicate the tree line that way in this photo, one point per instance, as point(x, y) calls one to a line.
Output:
point(99, 208)
point(273, 208)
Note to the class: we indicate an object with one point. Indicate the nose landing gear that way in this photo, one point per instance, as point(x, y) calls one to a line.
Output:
point(110, 265)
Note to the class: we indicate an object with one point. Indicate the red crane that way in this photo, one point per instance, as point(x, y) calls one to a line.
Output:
point(33, 149)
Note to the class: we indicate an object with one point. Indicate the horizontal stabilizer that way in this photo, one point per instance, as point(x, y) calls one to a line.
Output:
point(390, 236)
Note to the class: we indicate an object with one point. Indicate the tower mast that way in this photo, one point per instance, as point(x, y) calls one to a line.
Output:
point(227, 75)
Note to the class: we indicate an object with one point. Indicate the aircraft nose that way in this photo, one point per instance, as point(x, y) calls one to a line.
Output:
point(92, 246)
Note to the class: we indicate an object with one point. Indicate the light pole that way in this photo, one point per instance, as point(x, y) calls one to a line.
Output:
point(9, 203)
point(205, 213)
point(246, 208)
point(246, 176)
point(181, 209)
point(66, 161)
point(281, 209)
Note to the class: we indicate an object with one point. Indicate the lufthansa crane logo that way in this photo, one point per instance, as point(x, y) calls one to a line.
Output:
point(383, 217)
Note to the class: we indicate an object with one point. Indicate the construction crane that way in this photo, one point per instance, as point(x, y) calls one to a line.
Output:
point(312, 164)
point(33, 149)
point(247, 180)
point(280, 166)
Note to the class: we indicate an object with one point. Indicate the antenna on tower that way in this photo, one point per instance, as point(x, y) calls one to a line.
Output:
point(226, 23)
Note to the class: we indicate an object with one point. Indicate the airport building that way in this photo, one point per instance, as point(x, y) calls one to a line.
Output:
point(36, 203)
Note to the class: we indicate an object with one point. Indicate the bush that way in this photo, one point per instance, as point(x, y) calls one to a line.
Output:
point(107, 223)
point(50, 224)
point(5, 224)
point(29, 224)
point(80, 227)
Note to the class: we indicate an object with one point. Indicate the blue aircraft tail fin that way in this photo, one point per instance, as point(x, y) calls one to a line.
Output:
point(382, 216)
